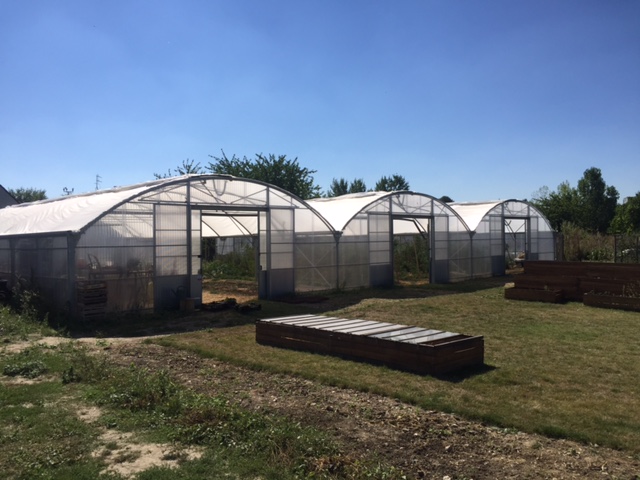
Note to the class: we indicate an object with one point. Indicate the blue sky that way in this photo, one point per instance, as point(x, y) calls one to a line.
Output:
point(473, 99)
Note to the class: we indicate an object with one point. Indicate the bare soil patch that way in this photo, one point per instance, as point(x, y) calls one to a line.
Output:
point(425, 444)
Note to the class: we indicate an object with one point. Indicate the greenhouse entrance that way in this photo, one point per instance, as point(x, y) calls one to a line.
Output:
point(230, 249)
point(411, 249)
point(516, 241)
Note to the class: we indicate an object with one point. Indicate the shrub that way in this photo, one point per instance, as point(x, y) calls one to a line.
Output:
point(581, 245)
point(238, 265)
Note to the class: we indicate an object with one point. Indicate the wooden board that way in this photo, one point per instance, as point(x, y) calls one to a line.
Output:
point(414, 349)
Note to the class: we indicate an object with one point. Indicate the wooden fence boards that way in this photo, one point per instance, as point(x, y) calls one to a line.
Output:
point(414, 349)
point(555, 281)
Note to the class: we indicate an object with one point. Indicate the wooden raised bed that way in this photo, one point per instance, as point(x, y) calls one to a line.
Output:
point(574, 280)
point(403, 347)
point(534, 295)
point(612, 301)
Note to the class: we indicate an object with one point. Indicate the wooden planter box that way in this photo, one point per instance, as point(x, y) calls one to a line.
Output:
point(403, 347)
point(612, 301)
point(534, 295)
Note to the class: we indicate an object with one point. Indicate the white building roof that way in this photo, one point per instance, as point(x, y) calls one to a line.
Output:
point(472, 213)
point(66, 214)
point(339, 210)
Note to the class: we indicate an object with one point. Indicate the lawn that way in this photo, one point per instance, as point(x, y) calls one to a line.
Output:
point(567, 371)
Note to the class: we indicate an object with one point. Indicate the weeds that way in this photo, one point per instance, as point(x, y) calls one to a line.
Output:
point(27, 369)
point(236, 265)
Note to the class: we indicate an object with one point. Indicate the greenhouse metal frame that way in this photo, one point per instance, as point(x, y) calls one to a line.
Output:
point(142, 243)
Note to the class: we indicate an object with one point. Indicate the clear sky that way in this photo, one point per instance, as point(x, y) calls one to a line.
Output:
point(474, 99)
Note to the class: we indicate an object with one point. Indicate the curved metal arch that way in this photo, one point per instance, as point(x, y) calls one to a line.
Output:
point(159, 184)
point(388, 195)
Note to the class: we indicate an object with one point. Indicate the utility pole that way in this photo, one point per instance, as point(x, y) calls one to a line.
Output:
point(98, 181)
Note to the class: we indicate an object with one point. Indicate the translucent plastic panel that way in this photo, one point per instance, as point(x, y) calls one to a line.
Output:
point(196, 244)
point(281, 260)
point(281, 220)
point(354, 276)
point(52, 263)
point(171, 217)
point(281, 247)
point(228, 192)
point(482, 266)
point(167, 194)
point(381, 206)
point(171, 251)
point(52, 242)
point(263, 244)
point(308, 221)
point(411, 204)
point(315, 254)
point(171, 237)
point(459, 269)
point(379, 223)
point(497, 239)
point(382, 256)
point(481, 245)
point(171, 266)
point(282, 236)
point(459, 249)
point(278, 198)
point(356, 227)
point(353, 253)
point(516, 209)
point(313, 279)
point(102, 262)
point(483, 226)
point(196, 266)
point(5, 262)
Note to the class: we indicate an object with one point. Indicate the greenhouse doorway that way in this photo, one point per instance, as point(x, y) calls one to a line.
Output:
point(516, 241)
point(411, 250)
point(230, 253)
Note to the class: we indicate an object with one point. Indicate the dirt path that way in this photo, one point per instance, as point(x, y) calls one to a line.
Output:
point(425, 444)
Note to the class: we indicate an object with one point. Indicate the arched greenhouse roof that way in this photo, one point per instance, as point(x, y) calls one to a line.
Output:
point(66, 214)
point(75, 213)
point(339, 211)
point(472, 213)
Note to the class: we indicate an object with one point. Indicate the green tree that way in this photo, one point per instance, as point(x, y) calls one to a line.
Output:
point(342, 187)
point(591, 206)
point(597, 201)
point(394, 183)
point(188, 167)
point(275, 170)
point(627, 218)
point(560, 206)
point(446, 199)
point(24, 195)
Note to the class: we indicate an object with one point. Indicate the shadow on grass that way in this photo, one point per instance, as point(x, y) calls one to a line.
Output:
point(173, 322)
point(466, 373)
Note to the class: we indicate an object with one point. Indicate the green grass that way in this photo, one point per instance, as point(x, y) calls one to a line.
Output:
point(42, 437)
point(561, 370)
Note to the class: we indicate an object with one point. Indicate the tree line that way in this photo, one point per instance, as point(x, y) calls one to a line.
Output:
point(592, 205)
point(285, 173)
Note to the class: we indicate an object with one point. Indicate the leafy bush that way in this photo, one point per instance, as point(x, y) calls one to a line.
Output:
point(581, 245)
point(411, 257)
point(238, 265)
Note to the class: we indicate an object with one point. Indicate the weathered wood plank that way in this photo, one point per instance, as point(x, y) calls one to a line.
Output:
point(415, 349)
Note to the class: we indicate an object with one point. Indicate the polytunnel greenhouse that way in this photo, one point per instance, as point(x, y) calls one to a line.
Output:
point(140, 247)
point(504, 232)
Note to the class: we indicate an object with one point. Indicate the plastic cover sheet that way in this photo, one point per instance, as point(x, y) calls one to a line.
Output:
point(65, 214)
